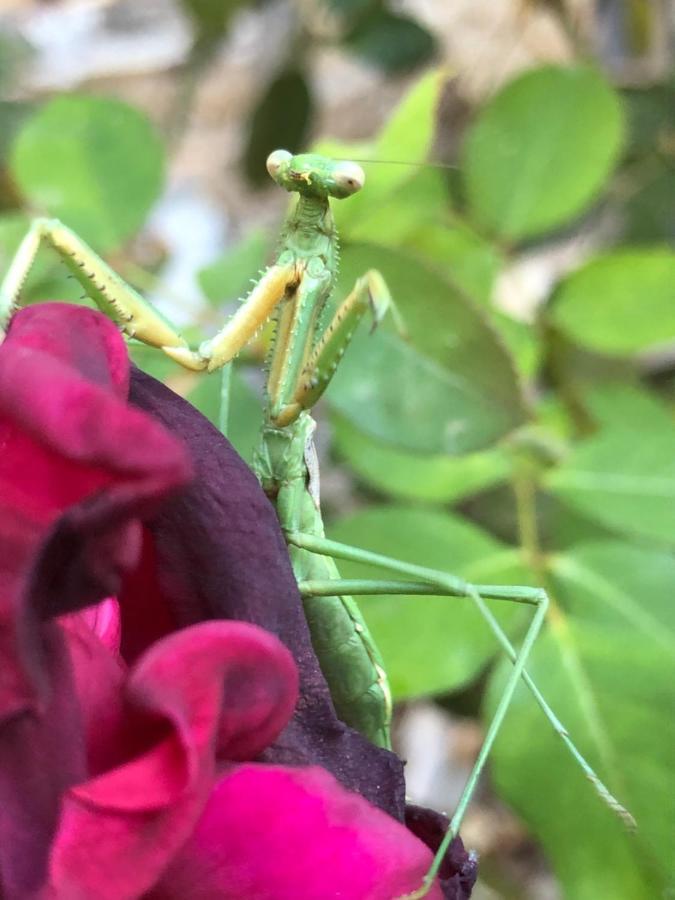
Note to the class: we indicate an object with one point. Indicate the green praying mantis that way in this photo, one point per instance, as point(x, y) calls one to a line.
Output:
point(305, 352)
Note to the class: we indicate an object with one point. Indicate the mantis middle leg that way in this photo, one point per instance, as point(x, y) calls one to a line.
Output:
point(431, 581)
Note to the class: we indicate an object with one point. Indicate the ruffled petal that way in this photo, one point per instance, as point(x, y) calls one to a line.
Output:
point(278, 834)
point(78, 468)
point(220, 681)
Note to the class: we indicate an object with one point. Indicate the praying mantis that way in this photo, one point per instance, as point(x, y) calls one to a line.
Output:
point(305, 352)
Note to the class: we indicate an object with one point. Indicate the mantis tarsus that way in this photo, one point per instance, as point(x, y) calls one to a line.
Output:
point(305, 352)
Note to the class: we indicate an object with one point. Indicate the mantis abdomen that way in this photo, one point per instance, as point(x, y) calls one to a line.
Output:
point(349, 658)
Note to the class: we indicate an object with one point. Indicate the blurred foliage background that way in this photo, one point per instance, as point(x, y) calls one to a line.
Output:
point(523, 434)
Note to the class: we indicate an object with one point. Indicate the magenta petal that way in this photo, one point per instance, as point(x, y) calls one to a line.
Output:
point(41, 755)
point(225, 681)
point(78, 467)
point(272, 833)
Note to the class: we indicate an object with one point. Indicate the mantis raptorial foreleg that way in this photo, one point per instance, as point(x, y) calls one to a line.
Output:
point(273, 287)
point(370, 294)
point(136, 317)
point(441, 583)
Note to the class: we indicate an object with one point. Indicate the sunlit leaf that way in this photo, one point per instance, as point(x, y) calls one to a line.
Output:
point(621, 302)
point(407, 136)
point(430, 644)
point(94, 162)
point(433, 393)
point(541, 150)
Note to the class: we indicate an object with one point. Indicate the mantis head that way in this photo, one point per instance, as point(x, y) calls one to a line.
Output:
point(315, 176)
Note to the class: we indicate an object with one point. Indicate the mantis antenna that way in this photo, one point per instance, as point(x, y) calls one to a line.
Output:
point(403, 162)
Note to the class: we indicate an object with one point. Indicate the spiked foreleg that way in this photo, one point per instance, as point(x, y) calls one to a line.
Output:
point(370, 294)
point(112, 294)
point(278, 283)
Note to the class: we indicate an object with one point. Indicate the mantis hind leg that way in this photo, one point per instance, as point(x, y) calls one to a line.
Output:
point(112, 294)
point(432, 581)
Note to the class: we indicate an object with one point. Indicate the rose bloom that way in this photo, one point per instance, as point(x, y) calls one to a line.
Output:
point(165, 729)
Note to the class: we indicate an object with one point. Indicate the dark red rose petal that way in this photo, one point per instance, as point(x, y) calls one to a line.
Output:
point(220, 553)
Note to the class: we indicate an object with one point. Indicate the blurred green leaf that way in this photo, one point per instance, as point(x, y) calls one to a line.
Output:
point(15, 52)
point(407, 136)
point(606, 669)
point(419, 200)
point(158, 364)
point(432, 394)
point(12, 116)
point(611, 692)
point(350, 8)
point(245, 419)
point(623, 477)
point(229, 277)
point(466, 259)
point(405, 476)
point(615, 404)
point(621, 302)
point(211, 18)
point(648, 215)
point(280, 120)
point(393, 42)
point(619, 585)
point(650, 116)
point(429, 644)
point(94, 162)
point(541, 150)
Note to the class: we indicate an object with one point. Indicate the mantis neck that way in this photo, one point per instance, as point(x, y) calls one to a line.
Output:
point(309, 244)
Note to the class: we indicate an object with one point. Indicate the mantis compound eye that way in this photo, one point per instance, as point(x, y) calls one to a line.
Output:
point(349, 178)
point(275, 161)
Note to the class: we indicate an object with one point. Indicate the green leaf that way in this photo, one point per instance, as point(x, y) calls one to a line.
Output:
point(405, 476)
point(648, 214)
point(394, 43)
point(432, 394)
point(280, 120)
point(407, 136)
point(245, 419)
point(429, 644)
point(541, 150)
point(93, 162)
point(614, 584)
point(610, 692)
point(606, 669)
point(462, 256)
point(616, 403)
point(620, 303)
point(418, 201)
point(623, 477)
point(229, 277)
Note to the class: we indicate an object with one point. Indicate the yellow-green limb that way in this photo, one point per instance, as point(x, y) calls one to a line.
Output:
point(276, 285)
point(135, 316)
